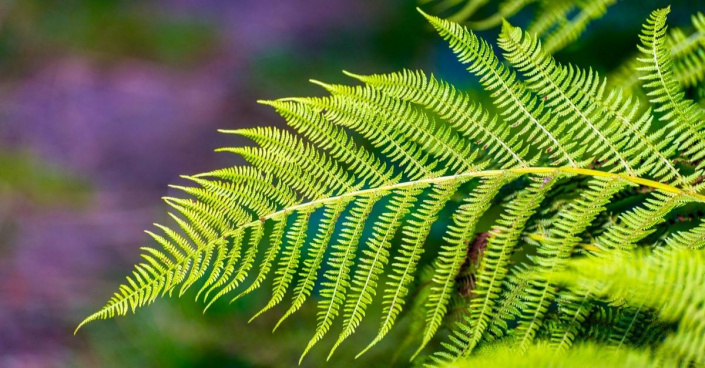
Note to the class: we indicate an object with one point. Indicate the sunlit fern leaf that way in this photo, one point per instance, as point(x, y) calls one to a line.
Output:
point(233, 276)
point(653, 149)
point(269, 256)
point(373, 261)
point(290, 148)
point(494, 267)
point(457, 110)
point(407, 155)
point(510, 95)
point(547, 79)
point(338, 211)
point(222, 268)
point(451, 256)
point(404, 265)
point(337, 277)
point(289, 259)
point(239, 179)
point(323, 133)
point(317, 249)
point(440, 142)
point(684, 120)
point(687, 50)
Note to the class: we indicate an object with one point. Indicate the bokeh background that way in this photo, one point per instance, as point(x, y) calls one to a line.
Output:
point(105, 102)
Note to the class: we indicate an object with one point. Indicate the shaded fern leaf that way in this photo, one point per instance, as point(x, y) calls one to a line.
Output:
point(557, 22)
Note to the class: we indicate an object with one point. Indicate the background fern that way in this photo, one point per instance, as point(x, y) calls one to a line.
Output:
point(559, 160)
point(558, 23)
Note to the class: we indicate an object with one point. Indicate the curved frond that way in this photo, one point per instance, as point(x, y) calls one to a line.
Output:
point(541, 229)
point(683, 119)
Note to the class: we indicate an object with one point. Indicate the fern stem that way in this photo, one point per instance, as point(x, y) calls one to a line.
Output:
point(489, 173)
point(442, 179)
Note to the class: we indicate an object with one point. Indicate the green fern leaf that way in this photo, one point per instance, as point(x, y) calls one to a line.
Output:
point(570, 177)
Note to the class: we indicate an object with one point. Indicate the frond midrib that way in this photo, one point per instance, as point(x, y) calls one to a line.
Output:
point(433, 180)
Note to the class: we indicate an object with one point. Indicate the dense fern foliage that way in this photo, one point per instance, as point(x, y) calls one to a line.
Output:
point(571, 212)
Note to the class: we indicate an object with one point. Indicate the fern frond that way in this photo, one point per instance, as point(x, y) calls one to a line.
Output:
point(452, 255)
point(443, 144)
point(687, 54)
point(288, 263)
point(684, 121)
point(313, 263)
point(493, 267)
point(570, 177)
point(557, 248)
point(652, 149)
point(569, 31)
point(636, 224)
point(249, 177)
point(373, 261)
point(509, 94)
point(456, 108)
point(340, 262)
point(546, 78)
point(239, 274)
point(286, 171)
point(290, 148)
point(404, 153)
point(404, 265)
point(275, 241)
point(331, 138)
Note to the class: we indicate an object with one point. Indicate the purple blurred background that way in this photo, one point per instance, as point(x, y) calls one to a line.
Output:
point(103, 103)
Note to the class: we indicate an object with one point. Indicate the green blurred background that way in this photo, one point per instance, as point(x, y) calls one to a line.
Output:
point(105, 102)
